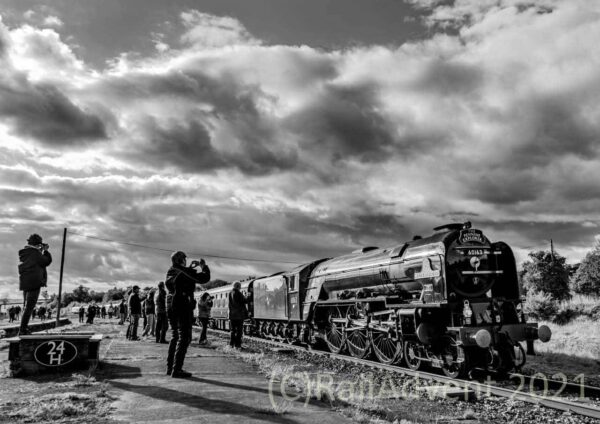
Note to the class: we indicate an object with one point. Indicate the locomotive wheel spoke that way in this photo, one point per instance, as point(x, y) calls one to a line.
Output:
point(359, 343)
point(411, 355)
point(334, 334)
point(386, 348)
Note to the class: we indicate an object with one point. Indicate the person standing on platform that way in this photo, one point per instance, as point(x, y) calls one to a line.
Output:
point(33, 260)
point(150, 314)
point(122, 312)
point(204, 306)
point(135, 310)
point(160, 307)
point(81, 313)
point(237, 315)
point(181, 284)
point(144, 319)
point(42, 313)
point(91, 314)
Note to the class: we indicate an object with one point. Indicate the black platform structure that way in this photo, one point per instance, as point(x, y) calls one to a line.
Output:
point(53, 352)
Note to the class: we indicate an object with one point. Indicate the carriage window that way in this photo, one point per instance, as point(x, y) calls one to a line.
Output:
point(292, 282)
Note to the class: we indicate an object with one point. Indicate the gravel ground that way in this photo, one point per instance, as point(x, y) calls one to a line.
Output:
point(370, 395)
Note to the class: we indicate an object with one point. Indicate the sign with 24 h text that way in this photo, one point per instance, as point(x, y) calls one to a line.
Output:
point(54, 353)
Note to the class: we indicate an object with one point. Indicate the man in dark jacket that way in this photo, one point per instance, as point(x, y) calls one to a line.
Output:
point(160, 304)
point(34, 258)
point(135, 310)
point(150, 310)
point(81, 313)
point(204, 307)
point(237, 315)
point(91, 314)
point(181, 284)
point(122, 311)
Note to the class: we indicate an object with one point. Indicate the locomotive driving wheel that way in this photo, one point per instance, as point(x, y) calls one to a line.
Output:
point(279, 331)
point(359, 343)
point(454, 358)
point(357, 339)
point(412, 354)
point(387, 348)
point(290, 334)
point(264, 326)
point(272, 330)
point(334, 331)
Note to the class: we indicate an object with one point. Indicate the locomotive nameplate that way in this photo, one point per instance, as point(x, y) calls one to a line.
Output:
point(427, 271)
point(471, 236)
point(432, 273)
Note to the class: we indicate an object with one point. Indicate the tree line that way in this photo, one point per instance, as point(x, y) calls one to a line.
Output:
point(82, 294)
point(547, 272)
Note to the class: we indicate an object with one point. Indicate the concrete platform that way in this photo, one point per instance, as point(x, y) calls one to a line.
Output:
point(222, 390)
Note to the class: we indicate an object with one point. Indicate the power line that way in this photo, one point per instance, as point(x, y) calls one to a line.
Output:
point(192, 253)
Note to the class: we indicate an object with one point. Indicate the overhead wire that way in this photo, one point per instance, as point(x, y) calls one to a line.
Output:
point(208, 255)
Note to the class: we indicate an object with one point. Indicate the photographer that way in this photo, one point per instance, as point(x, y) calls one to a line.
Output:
point(34, 258)
point(204, 306)
point(181, 284)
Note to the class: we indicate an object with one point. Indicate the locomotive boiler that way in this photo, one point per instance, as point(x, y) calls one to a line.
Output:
point(450, 300)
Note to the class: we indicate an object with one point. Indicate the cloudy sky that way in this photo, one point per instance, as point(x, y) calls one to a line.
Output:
point(292, 130)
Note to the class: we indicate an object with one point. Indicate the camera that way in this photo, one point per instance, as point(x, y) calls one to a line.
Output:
point(44, 246)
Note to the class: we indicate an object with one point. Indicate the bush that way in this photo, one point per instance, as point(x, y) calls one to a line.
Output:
point(595, 313)
point(566, 313)
point(587, 277)
point(546, 272)
point(540, 306)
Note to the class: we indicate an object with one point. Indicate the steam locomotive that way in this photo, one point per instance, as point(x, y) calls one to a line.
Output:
point(450, 300)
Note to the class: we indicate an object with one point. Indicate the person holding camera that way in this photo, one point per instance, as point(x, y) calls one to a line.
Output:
point(204, 307)
point(181, 284)
point(33, 260)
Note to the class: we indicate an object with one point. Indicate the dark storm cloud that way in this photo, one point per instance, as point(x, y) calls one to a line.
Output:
point(539, 233)
point(358, 230)
point(190, 147)
point(48, 115)
point(190, 143)
point(444, 78)
point(186, 146)
point(502, 187)
point(344, 122)
point(560, 128)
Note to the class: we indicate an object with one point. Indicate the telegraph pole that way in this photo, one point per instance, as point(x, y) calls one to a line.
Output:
point(552, 250)
point(60, 279)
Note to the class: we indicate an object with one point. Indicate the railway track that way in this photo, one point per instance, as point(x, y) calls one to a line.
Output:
point(550, 389)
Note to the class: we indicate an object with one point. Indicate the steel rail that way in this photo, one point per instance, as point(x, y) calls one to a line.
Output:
point(466, 385)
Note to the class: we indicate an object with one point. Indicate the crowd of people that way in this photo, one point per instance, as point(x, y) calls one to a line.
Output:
point(170, 304)
point(41, 312)
point(92, 310)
